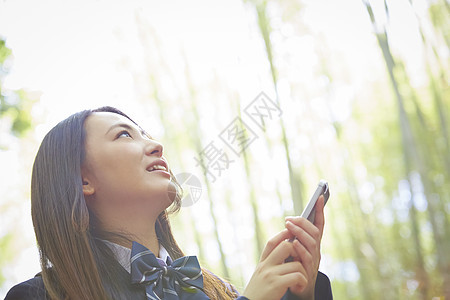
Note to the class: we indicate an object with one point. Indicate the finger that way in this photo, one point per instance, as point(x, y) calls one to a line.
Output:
point(282, 251)
point(304, 224)
point(319, 220)
point(274, 242)
point(305, 257)
point(292, 279)
point(289, 267)
point(310, 242)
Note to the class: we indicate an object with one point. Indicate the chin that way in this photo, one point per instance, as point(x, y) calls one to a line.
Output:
point(171, 192)
point(166, 195)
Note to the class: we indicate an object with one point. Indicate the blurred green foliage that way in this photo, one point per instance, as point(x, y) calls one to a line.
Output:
point(6, 252)
point(15, 105)
point(399, 242)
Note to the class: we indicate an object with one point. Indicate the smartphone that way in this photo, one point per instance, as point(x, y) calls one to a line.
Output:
point(322, 189)
point(310, 212)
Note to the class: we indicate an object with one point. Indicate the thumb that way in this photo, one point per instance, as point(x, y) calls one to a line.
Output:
point(319, 220)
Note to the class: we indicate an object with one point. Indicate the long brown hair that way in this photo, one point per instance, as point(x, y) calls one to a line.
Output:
point(72, 253)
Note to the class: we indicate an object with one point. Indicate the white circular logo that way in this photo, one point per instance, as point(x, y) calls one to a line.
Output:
point(192, 188)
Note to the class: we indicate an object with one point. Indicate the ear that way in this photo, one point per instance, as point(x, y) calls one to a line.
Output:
point(88, 187)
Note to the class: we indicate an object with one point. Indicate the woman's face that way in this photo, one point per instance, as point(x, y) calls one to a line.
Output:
point(116, 175)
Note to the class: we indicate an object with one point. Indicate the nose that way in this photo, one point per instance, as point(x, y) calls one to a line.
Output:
point(154, 147)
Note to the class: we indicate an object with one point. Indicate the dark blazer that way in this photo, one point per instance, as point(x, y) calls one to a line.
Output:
point(34, 289)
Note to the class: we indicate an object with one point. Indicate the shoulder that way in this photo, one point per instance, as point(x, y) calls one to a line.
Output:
point(322, 290)
point(323, 287)
point(30, 289)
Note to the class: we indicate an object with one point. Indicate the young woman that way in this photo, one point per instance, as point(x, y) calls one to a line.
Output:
point(101, 193)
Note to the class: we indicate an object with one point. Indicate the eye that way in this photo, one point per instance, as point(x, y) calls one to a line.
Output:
point(123, 133)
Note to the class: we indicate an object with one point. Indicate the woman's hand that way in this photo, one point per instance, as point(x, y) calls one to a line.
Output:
point(272, 276)
point(307, 247)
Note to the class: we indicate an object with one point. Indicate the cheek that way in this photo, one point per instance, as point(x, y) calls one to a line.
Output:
point(119, 174)
point(115, 169)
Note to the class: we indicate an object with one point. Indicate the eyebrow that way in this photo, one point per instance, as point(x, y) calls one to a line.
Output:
point(124, 126)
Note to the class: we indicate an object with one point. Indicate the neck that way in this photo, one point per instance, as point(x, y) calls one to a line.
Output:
point(149, 240)
point(144, 234)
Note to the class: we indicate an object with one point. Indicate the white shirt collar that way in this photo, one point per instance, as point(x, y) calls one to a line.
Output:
point(123, 254)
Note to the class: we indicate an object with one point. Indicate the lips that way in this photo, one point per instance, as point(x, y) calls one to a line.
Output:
point(159, 162)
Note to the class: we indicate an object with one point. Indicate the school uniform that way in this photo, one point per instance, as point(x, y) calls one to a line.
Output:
point(147, 277)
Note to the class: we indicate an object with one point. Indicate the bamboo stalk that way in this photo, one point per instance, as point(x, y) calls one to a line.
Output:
point(295, 180)
point(199, 149)
point(260, 240)
point(408, 145)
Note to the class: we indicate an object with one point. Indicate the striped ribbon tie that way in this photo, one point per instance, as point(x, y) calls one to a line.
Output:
point(170, 282)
